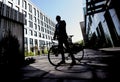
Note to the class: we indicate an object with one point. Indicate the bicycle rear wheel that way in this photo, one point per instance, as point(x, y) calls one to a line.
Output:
point(80, 55)
point(54, 56)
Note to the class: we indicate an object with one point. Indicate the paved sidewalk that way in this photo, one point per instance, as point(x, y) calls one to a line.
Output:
point(96, 66)
point(93, 68)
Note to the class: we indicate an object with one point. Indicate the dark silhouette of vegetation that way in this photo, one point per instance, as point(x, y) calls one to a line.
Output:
point(9, 51)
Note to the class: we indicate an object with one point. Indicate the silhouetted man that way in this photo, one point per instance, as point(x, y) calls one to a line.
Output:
point(61, 35)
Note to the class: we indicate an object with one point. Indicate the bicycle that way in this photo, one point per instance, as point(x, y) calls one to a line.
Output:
point(54, 55)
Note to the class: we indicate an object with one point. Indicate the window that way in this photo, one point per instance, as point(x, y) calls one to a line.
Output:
point(36, 42)
point(41, 16)
point(31, 32)
point(25, 40)
point(49, 21)
point(39, 34)
point(41, 42)
point(48, 26)
point(24, 5)
point(30, 17)
point(45, 24)
point(38, 13)
point(18, 2)
point(30, 8)
point(48, 31)
point(34, 11)
point(39, 27)
point(30, 24)
point(38, 21)
point(34, 19)
point(45, 30)
point(43, 36)
point(35, 33)
point(31, 41)
point(25, 21)
point(25, 30)
point(46, 19)
point(46, 36)
point(42, 29)
point(42, 23)
point(25, 14)
point(35, 26)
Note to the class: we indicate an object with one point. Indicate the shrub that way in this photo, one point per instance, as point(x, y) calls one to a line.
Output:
point(45, 51)
point(29, 60)
point(9, 50)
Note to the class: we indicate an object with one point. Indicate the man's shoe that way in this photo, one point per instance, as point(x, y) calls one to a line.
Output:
point(73, 63)
point(56, 55)
point(62, 62)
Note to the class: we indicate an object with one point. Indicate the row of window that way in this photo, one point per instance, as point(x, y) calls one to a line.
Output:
point(41, 42)
point(37, 22)
point(36, 13)
point(37, 34)
point(42, 24)
point(46, 30)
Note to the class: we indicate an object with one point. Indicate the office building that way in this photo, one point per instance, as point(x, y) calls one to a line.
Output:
point(102, 23)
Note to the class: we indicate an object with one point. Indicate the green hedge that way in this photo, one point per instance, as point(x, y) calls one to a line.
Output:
point(36, 53)
point(29, 53)
point(45, 51)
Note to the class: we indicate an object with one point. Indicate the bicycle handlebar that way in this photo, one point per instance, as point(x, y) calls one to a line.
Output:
point(71, 36)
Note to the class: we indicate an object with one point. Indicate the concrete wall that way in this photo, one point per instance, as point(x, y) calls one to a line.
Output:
point(11, 36)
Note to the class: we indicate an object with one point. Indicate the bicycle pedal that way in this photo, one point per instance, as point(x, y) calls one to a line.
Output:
point(67, 58)
point(56, 55)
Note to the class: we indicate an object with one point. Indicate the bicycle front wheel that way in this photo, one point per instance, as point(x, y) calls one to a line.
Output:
point(54, 57)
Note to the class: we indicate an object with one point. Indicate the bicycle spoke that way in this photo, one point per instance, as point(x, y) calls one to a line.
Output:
point(54, 58)
point(79, 56)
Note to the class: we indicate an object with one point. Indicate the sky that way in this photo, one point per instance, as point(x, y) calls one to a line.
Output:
point(70, 10)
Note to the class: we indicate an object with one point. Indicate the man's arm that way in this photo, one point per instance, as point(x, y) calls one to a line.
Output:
point(55, 33)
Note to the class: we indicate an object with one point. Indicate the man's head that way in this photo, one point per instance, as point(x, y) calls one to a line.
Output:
point(58, 18)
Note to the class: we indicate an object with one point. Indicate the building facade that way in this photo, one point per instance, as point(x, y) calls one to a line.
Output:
point(38, 28)
point(102, 23)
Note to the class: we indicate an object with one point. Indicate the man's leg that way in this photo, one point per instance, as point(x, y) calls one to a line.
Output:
point(70, 51)
point(60, 46)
